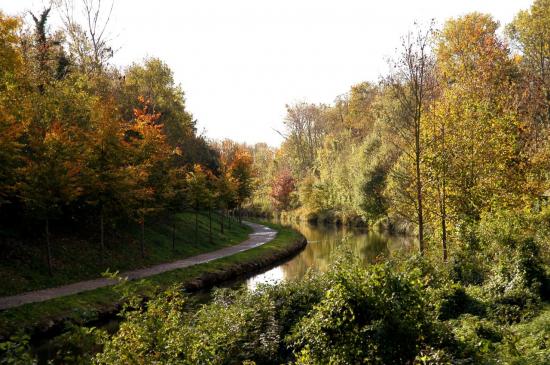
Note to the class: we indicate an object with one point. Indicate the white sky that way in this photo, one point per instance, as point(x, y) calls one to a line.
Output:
point(239, 62)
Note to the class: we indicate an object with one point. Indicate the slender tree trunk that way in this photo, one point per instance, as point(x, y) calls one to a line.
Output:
point(196, 226)
point(210, 224)
point(229, 219)
point(48, 247)
point(419, 189)
point(102, 233)
point(444, 228)
point(222, 213)
point(142, 238)
point(174, 233)
point(444, 199)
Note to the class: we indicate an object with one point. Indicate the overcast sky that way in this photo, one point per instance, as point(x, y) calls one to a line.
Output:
point(239, 62)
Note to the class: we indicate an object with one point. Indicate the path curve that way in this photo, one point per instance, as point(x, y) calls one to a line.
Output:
point(260, 235)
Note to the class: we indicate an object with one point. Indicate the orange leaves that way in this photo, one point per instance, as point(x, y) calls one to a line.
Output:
point(143, 114)
point(241, 160)
point(282, 187)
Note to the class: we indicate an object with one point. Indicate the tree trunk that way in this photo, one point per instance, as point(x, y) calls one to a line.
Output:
point(222, 213)
point(443, 199)
point(142, 238)
point(444, 232)
point(174, 233)
point(48, 247)
point(419, 190)
point(196, 226)
point(102, 233)
point(210, 224)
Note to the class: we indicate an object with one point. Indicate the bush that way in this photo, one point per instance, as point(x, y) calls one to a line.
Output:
point(452, 300)
point(476, 338)
point(370, 315)
point(237, 326)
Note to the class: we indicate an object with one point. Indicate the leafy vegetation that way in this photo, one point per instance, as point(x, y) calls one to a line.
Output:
point(404, 310)
point(451, 145)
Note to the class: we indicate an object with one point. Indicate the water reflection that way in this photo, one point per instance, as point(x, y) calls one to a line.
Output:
point(323, 243)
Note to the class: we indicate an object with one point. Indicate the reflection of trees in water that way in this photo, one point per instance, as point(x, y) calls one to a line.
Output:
point(324, 243)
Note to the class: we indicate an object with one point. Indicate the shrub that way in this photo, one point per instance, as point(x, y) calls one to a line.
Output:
point(476, 338)
point(452, 300)
point(370, 315)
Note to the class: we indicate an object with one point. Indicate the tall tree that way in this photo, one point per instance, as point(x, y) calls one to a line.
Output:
point(304, 131)
point(197, 192)
point(108, 185)
point(530, 33)
point(411, 83)
point(282, 188)
point(10, 128)
point(86, 24)
point(154, 81)
point(148, 161)
point(51, 176)
point(477, 78)
point(241, 170)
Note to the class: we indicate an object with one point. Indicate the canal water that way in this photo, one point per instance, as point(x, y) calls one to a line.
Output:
point(324, 242)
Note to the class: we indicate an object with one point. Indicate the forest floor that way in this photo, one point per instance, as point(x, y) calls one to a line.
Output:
point(259, 236)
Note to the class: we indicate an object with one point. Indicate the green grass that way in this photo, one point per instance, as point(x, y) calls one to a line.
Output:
point(85, 306)
point(23, 267)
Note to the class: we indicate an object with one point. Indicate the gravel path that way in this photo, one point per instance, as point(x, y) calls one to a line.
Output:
point(258, 237)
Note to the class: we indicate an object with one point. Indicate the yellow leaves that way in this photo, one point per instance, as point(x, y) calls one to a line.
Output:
point(10, 57)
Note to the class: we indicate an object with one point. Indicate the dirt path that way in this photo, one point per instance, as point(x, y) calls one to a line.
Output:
point(258, 237)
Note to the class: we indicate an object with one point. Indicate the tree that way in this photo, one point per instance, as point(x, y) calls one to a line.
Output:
point(476, 73)
point(411, 83)
point(50, 177)
point(304, 133)
point(530, 33)
point(10, 128)
point(154, 81)
point(241, 170)
point(282, 188)
point(88, 42)
point(107, 155)
point(149, 155)
point(197, 192)
point(226, 191)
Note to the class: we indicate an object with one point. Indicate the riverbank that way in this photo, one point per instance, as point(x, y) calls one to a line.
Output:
point(54, 315)
point(338, 218)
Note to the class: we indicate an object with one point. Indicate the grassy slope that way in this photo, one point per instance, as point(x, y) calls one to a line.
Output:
point(85, 306)
point(75, 260)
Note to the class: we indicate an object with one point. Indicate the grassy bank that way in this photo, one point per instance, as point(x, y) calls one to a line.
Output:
point(77, 258)
point(88, 306)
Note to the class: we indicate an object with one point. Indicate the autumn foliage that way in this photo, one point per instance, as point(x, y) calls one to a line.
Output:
point(86, 147)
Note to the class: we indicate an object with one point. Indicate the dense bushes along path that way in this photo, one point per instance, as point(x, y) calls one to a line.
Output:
point(260, 235)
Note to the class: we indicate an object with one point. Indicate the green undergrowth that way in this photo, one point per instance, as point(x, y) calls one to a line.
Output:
point(76, 259)
point(85, 307)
